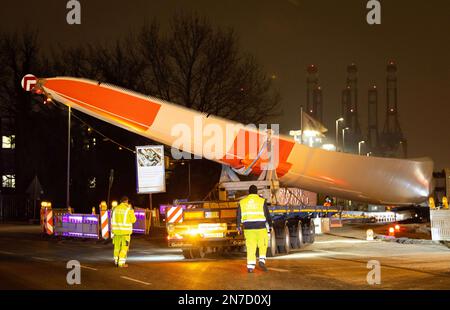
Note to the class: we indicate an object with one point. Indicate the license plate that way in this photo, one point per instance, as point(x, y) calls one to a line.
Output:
point(213, 235)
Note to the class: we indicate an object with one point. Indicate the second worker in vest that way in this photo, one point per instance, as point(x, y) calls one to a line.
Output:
point(255, 218)
point(122, 220)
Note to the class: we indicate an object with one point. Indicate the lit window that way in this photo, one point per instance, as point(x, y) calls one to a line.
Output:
point(9, 142)
point(9, 181)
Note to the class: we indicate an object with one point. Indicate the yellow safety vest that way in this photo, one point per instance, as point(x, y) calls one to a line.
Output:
point(252, 209)
point(122, 220)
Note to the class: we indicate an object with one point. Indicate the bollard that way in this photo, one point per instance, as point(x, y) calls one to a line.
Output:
point(104, 218)
point(369, 234)
point(445, 202)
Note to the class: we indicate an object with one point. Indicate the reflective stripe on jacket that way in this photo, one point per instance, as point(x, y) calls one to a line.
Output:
point(122, 220)
point(252, 209)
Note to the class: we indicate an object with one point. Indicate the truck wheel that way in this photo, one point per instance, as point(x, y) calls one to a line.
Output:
point(272, 249)
point(187, 253)
point(283, 241)
point(199, 252)
point(297, 236)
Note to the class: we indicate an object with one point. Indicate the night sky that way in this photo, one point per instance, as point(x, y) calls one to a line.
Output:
point(286, 36)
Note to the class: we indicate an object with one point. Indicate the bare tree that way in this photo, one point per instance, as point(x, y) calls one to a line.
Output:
point(200, 66)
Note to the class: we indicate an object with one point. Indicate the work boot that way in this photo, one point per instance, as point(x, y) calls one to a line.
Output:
point(263, 266)
point(250, 270)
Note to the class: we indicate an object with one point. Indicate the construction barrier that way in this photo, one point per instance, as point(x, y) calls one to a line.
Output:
point(321, 225)
point(104, 220)
point(46, 218)
point(78, 225)
point(61, 222)
point(440, 224)
point(143, 221)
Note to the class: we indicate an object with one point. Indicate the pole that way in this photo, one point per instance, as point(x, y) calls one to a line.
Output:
point(337, 134)
point(110, 182)
point(301, 124)
point(343, 140)
point(68, 156)
point(189, 180)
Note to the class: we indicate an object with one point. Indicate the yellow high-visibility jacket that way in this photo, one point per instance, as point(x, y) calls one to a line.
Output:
point(122, 219)
point(253, 212)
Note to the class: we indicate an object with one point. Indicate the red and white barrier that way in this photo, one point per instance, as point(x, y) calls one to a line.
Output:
point(175, 214)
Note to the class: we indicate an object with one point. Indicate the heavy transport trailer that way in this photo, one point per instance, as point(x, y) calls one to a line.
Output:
point(202, 227)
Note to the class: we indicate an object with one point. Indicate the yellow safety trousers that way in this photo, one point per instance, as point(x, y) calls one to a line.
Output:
point(121, 246)
point(256, 238)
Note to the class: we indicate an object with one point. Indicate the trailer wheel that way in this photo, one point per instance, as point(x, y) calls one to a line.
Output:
point(283, 241)
point(309, 232)
point(296, 237)
point(272, 249)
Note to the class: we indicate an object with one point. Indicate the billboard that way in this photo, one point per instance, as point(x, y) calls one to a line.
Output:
point(150, 169)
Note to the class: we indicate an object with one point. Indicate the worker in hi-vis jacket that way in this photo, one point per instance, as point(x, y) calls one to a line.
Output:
point(122, 220)
point(254, 215)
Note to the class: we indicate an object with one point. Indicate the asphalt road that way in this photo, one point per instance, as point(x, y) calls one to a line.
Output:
point(28, 261)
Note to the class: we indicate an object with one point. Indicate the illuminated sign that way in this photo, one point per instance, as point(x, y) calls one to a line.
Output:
point(150, 169)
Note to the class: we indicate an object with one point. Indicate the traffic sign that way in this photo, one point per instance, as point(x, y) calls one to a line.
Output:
point(28, 82)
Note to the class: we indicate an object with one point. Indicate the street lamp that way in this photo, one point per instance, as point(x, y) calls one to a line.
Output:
point(337, 130)
point(343, 138)
point(359, 146)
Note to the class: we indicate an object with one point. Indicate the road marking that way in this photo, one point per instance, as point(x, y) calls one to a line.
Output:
point(134, 280)
point(7, 253)
point(278, 269)
point(42, 258)
point(341, 253)
point(87, 267)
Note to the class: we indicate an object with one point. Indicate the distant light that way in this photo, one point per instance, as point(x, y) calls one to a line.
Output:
point(374, 86)
point(273, 76)
point(351, 110)
point(89, 129)
point(391, 230)
point(329, 147)
point(392, 110)
point(120, 148)
point(397, 227)
point(310, 111)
